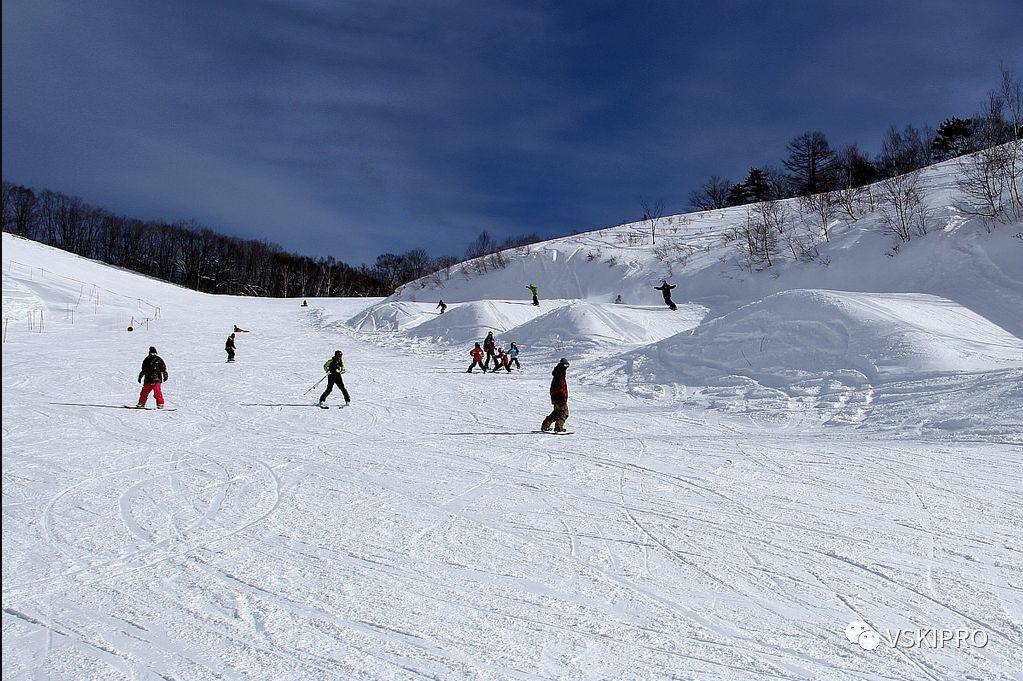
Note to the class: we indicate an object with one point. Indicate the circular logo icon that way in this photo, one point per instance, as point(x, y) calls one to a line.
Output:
point(860, 633)
point(869, 640)
point(855, 628)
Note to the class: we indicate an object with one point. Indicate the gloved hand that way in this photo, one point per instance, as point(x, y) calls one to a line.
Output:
point(140, 380)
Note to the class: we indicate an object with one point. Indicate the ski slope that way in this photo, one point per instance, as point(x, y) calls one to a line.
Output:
point(426, 531)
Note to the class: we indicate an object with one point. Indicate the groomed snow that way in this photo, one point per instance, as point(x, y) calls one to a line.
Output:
point(710, 518)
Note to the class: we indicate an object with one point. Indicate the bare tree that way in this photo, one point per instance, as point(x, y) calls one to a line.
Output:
point(711, 195)
point(758, 239)
point(902, 208)
point(905, 151)
point(652, 212)
point(820, 210)
point(986, 183)
point(811, 163)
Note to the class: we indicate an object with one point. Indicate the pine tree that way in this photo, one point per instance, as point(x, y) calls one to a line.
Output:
point(954, 138)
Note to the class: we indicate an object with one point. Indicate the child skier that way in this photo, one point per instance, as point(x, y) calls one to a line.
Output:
point(477, 359)
point(513, 356)
point(334, 367)
point(665, 289)
point(154, 371)
point(532, 289)
point(229, 346)
point(489, 346)
point(502, 361)
point(559, 398)
point(442, 306)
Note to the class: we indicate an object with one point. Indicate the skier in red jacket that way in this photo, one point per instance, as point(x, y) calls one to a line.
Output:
point(477, 359)
point(559, 398)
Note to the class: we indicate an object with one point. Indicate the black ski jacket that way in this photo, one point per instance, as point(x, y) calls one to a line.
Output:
point(229, 345)
point(153, 369)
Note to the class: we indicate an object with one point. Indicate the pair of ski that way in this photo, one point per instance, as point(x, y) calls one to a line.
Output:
point(131, 406)
point(340, 406)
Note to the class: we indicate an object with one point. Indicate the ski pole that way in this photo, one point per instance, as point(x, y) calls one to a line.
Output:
point(314, 385)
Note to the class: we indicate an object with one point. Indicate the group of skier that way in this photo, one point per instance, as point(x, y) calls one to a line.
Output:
point(154, 370)
point(483, 354)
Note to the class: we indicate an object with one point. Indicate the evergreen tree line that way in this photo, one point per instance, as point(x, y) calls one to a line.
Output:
point(813, 166)
point(199, 258)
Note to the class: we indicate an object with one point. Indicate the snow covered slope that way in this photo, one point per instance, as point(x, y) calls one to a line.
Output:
point(844, 354)
point(959, 259)
point(740, 486)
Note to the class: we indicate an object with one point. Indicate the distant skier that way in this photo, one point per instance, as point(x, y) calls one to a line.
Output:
point(334, 367)
point(442, 306)
point(154, 371)
point(619, 300)
point(477, 359)
point(502, 362)
point(305, 303)
point(489, 347)
point(229, 346)
point(513, 356)
point(665, 289)
point(536, 297)
point(559, 398)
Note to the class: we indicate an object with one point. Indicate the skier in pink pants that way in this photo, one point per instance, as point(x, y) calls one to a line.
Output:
point(154, 371)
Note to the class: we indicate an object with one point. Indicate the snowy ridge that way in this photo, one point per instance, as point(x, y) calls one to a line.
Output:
point(959, 259)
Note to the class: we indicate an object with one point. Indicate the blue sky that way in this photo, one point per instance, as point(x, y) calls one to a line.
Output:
point(354, 128)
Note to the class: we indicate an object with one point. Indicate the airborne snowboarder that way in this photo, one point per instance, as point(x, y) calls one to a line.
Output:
point(559, 398)
point(154, 371)
point(536, 298)
point(229, 346)
point(334, 367)
point(665, 289)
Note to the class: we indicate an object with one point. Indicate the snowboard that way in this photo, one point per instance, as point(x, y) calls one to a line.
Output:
point(129, 406)
point(551, 432)
point(342, 406)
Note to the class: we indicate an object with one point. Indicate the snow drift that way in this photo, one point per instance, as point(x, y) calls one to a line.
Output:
point(583, 324)
point(472, 321)
point(795, 334)
point(388, 316)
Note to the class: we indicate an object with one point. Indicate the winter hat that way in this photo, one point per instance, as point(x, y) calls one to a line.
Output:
point(338, 352)
point(563, 361)
point(152, 350)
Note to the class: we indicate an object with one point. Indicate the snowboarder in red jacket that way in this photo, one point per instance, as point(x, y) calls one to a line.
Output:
point(477, 359)
point(559, 398)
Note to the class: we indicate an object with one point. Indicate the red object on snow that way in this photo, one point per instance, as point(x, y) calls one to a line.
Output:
point(155, 389)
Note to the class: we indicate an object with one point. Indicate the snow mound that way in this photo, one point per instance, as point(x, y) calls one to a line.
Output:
point(582, 324)
point(471, 321)
point(798, 333)
point(389, 316)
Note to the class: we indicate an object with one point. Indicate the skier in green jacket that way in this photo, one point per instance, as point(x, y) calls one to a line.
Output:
point(532, 289)
point(334, 367)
